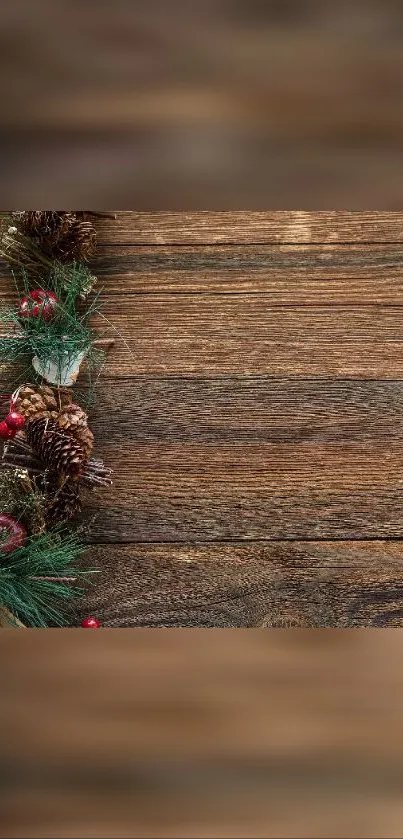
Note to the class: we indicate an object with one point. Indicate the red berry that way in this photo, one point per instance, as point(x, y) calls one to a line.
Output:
point(25, 307)
point(38, 294)
point(6, 432)
point(15, 420)
point(12, 534)
point(90, 623)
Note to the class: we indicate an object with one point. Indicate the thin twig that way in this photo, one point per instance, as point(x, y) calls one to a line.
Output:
point(54, 579)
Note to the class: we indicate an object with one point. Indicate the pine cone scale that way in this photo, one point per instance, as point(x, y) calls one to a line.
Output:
point(62, 235)
point(74, 421)
point(59, 451)
point(41, 401)
point(64, 503)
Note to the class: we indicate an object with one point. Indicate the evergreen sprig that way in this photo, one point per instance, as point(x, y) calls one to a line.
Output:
point(37, 579)
point(38, 575)
point(19, 497)
point(67, 334)
point(24, 253)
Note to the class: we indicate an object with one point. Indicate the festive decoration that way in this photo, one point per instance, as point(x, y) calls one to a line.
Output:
point(73, 420)
point(38, 304)
point(64, 502)
point(6, 431)
point(41, 401)
point(57, 343)
point(12, 534)
point(37, 577)
point(90, 623)
point(18, 453)
point(60, 235)
point(59, 370)
point(47, 463)
point(20, 498)
point(44, 242)
point(15, 420)
point(58, 449)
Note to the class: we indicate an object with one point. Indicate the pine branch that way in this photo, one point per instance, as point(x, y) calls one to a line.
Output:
point(22, 252)
point(35, 579)
point(19, 497)
point(67, 335)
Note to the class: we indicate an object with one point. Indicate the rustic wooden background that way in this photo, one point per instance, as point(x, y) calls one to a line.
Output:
point(252, 409)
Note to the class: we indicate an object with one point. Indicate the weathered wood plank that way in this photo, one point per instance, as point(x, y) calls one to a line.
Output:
point(202, 357)
point(305, 274)
point(220, 316)
point(278, 584)
point(294, 275)
point(244, 334)
point(208, 444)
point(292, 227)
point(210, 335)
point(189, 492)
point(239, 458)
point(290, 274)
point(247, 409)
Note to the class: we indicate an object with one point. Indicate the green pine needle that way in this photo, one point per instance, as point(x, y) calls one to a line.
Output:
point(24, 253)
point(20, 498)
point(67, 334)
point(37, 578)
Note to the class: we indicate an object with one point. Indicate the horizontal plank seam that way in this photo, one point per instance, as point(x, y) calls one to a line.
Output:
point(348, 307)
point(259, 294)
point(242, 243)
point(220, 377)
point(161, 377)
point(248, 542)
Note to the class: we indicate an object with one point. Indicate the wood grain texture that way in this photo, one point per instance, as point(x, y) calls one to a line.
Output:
point(208, 334)
point(233, 585)
point(252, 410)
point(247, 409)
point(292, 274)
point(287, 227)
point(215, 491)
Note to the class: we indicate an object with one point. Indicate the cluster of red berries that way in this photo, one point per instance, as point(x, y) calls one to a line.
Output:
point(11, 424)
point(38, 303)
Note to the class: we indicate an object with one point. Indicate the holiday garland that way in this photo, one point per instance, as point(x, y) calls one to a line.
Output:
point(47, 462)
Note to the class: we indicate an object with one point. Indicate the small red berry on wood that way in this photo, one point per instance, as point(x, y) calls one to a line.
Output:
point(6, 432)
point(15, 420)
point(12, 534)
point(91, 623)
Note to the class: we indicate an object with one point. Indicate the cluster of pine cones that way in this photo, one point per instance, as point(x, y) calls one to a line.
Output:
point(57, 431)
point(61, 235)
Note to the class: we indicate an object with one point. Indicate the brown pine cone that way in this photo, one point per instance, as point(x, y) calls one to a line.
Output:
point(80, 242)
point(48, 226)
point(64, 503)
point(59, 451)
point(41, 401)
point(36, 402)
point(62, 235)
point(75, 421)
